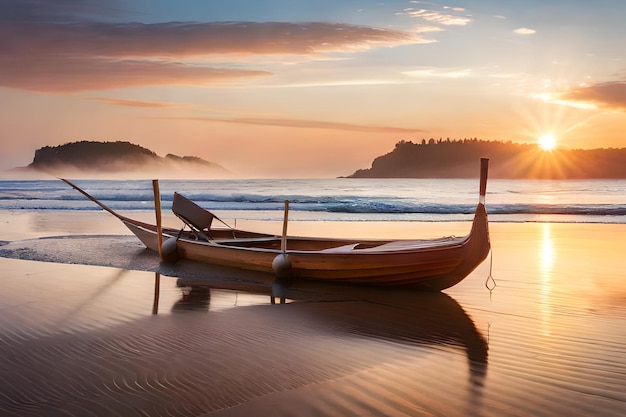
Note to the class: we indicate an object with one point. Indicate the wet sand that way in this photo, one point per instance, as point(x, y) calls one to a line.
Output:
point(102, 328)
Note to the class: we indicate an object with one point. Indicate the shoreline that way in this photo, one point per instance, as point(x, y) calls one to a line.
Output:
point(83, 237)
point(27, 224)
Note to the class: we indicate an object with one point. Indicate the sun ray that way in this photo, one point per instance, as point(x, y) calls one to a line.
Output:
point(547, 142)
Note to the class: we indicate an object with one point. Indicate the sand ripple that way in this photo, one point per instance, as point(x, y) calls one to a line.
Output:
point(81, 340)
point(77, 345)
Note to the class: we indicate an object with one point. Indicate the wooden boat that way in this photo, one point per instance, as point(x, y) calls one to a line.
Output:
point(433, 264)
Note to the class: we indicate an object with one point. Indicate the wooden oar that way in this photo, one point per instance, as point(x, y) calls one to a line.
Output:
point(283, 241)
point(168, 251)
point(157, 210)
point(281, 263)
point(102, 205)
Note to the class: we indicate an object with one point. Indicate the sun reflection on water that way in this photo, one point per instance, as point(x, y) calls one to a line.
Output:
point(546, 265)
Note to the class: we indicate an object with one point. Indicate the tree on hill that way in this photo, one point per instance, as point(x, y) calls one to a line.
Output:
point(83, 154)
point(459, 159)
point(114, 157)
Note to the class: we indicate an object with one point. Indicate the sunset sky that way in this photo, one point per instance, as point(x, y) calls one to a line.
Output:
point(291, 88)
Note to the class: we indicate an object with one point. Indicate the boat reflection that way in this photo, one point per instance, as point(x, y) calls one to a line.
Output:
point(397, 315)
point(193, 298)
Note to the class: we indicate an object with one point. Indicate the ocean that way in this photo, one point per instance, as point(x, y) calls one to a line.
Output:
point(342, 199)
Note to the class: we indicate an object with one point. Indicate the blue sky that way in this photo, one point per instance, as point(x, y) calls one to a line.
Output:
point(301, 88)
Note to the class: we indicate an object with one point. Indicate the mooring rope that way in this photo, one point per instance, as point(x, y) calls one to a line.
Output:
point(490, 283)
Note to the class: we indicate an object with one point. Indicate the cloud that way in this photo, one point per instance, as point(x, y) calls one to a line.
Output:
point(191, 39)
point(57, 10)
point(525, 31)
point(610, 95)
point(308, 124)
point(456, 9)
point(426, 72)
point(80, 56)
point(132, 103)
point(441, 18)
point(55, 75)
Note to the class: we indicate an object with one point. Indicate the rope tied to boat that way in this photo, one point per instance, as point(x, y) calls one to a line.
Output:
point(490, 282)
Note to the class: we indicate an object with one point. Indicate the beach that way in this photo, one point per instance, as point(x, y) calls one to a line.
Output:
point(93, 324)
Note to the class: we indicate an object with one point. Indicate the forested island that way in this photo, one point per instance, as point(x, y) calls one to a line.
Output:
point(443, 158)
point(460, 158)
point(107, 158)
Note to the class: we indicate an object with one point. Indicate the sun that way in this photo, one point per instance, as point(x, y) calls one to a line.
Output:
point(547, 142)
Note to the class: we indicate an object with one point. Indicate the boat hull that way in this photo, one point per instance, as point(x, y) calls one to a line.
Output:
point(434, 266)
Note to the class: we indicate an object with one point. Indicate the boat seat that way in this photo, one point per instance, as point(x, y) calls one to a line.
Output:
point(399, 245)
point(393, 246)
point(251, 242)
point(340, 249)
point(194, 216)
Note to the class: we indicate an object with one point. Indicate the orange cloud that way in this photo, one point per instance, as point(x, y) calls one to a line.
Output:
point(308, 124)
point(57, 75)
point(56, 57)
point(191, 39)
point(132, 103)
point(610, 95)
